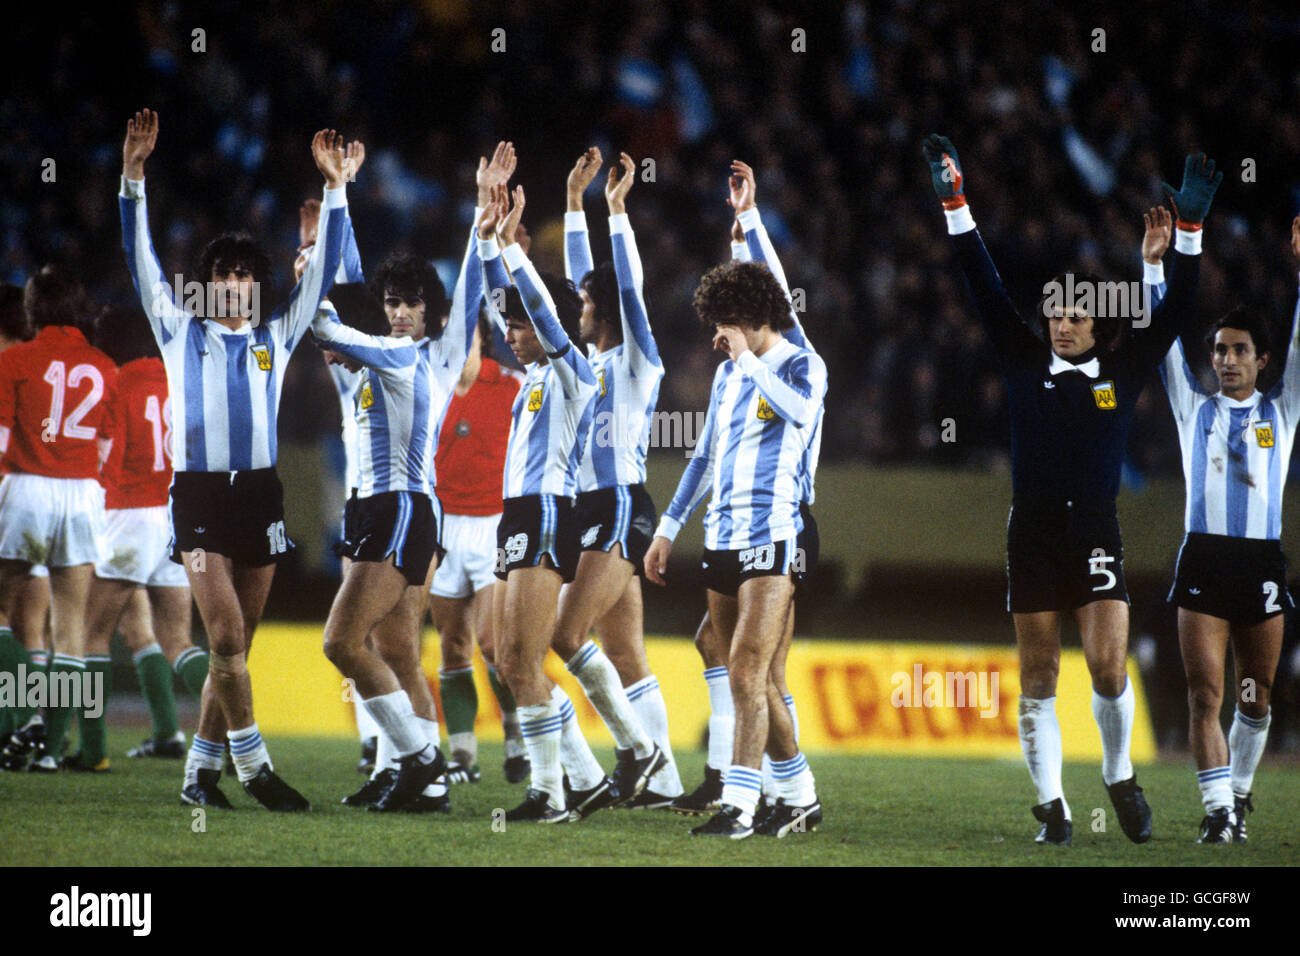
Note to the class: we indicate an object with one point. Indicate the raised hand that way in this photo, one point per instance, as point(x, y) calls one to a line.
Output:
point(327, 150)
point(743, 188)
point(141, 138)
point(737, 233)
point(353, 157)
point(494, 172)
point(510, 222)
point(1159, 227)
point(1295, 236)
point(494, 210)
point(308, 220)
point(580, 177)
point(618, 186)
point(945, 170)
point(1200, 181)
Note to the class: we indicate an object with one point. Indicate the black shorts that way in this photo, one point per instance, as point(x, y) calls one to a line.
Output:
point(534, 525)
point(239, 514)
point(401, 523)
point(1241, 580)
point(725, 571)
point(622, 515)
point(808, 548)
point(1063, 556)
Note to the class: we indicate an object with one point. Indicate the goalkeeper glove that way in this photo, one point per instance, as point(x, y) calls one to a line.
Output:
point(1192, 202)
point(945, 170)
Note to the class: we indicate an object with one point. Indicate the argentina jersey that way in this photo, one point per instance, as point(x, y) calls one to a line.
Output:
point(226, 383)
point(628, 375)
point(1235, 453)
point(758, 247)
point(553, 410)
point(404, 389)
point(751, 452)
point(346, 383)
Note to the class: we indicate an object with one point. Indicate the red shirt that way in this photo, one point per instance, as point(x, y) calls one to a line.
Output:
point(139, 468)
point(471, 456)
point(57, 394)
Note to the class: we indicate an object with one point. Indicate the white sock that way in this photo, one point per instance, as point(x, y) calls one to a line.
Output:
point(385, 755)
point(769, 780)
point(1216, 788)
point(203, 755)
point(514, 737)
point(366, 726)
point(430, 729)
point(648, 703)
point(742, 790)
point(1246, 739)
point(464, 743)
point(722, 718)
point(794, 714)
point(540, 725)
point(600, 683)
point(142, 653)
point(249, 752)
point(1040, 742)
point(575, 755)
point(794, 781)
point(1114, 717)
point(395, 716)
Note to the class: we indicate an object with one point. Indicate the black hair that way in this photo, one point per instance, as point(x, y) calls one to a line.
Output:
point(13, 317)
point(232, 249)
point(358, 309)
point(1105, 328)
point(412, 277)
point(485, 337)
point(124, 335)
point(568, 305)
point(743, 293)
point(53, 297)
point(601, 284)
point(1243, 319)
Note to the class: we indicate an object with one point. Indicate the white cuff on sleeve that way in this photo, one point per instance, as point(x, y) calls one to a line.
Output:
point(619, 224)
point(1153, 274)
point(335, 198)
point(959, 220)
point(750, 219)
point(749, 363)
point(1188, 243)
point(132, 188)
point(488, 248)
point(740, 250)
point(575, 222)
point(668, 528)
point(514, 257)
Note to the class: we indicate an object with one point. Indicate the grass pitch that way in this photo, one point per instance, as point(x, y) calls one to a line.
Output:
point(880, 811)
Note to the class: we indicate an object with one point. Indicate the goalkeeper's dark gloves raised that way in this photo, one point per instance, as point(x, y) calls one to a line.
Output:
point(1192, 202)
point(945, 170)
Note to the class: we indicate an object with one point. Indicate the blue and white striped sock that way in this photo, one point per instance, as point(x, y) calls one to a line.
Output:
point(1216, 788)
point(794, 781)
point(203, 755)
point(600, 683)
point(648, 704)
point(722, 718)
point(794, 714)
point(742, 790)
point(249, 752)
point(1246, 739)
point(542, 726)
point(575, 754)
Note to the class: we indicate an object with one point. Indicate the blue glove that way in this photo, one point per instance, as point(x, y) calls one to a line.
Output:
point(945, 170)
point(1192, 202)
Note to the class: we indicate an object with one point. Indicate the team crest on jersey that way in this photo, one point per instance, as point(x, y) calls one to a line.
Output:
point(462, 428)
point(600, 377)
point(367, 397)
point(1264, 434)
point(263, 355)
point(535, 399)
point(1103, 393)
point(764, 413)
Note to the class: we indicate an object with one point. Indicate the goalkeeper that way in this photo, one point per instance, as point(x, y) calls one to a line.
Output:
point(1071, 403)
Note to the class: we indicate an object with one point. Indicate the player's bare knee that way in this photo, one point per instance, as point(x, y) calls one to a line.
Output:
point(225, 667)
point(1204, 700)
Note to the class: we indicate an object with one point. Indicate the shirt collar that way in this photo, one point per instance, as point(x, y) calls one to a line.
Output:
point(1090, 368)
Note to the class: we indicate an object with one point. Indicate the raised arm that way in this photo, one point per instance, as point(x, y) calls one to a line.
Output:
point(1287, 390)
point(373, 351)
point(465, 301)
point(577, 245)
point(496, 280)
point(165, 316)
point(639, 344)
point(493, 174)
point(744, 189)
point(1180, 383)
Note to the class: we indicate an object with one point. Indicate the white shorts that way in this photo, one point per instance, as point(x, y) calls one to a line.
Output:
point(137, 548)
point(57, 522)
point(469, 565)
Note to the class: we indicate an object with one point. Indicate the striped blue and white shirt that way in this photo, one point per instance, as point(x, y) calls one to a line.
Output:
point(553, 411)
point(758, 247)
point(751, 450)
point(1235, 453)
point(628, 375)
point(405, 388)
point(346, 381)
point(225, 384)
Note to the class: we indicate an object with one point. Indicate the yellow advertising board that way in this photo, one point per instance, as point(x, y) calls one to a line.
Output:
point(852, 696)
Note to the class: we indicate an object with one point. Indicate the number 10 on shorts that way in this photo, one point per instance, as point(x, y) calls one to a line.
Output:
point(275, 536)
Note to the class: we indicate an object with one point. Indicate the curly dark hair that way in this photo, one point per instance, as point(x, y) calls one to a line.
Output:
point(745, 294)
point(601, 283)
point(1246, 321)
point(1105, 328)
point(231, 249)
point(53, 297)
point(410, 276)
point(124, 335)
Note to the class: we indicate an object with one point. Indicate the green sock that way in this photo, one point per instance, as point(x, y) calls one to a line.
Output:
point(94, 730)
point(459, 700)
point(11, 654)
point(192, 665)
point(64, 669)
point(504, 697)
point(155, 676)
point(20, 715)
